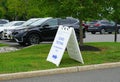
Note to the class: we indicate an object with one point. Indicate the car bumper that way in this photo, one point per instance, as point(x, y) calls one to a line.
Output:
point(8, 36)
point(93, 30)
point(19, 37)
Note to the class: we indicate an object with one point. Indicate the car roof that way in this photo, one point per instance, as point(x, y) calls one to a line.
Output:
point(40, 21)
point(12, 23)
point(68, 20)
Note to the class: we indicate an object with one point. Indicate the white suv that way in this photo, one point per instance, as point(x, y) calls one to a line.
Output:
point(3, 21)
point(6, 29)
point(7, 33)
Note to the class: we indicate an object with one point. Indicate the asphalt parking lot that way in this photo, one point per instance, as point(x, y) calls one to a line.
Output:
point(101, 37)
point(89, 38)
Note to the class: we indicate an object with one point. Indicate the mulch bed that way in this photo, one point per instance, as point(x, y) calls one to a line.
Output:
point(88, 48)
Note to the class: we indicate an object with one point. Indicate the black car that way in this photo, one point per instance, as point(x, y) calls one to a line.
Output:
point(43, 30)
point(102, 26)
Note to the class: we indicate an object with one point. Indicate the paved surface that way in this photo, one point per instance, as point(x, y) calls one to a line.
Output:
point(57, 71)
point(15, 44)
point(12, 44)
point(101, 37)
point(9, 42)
point(103, 75)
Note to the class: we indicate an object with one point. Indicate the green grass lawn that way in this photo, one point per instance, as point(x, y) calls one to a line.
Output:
point(34, 57)
point(1, 45)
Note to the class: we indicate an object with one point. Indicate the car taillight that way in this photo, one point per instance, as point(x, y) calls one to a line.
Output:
point(96, 24)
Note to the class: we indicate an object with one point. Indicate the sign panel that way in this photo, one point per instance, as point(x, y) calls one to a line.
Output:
point(73, 48)
point(61, 41)
point(59, 45)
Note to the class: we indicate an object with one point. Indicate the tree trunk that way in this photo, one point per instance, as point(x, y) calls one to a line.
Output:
point(116, 30)
point(81, 34)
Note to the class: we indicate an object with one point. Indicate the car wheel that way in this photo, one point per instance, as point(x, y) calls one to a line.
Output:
point(119, 31)
point(102, 31)
point(93, 32)
point(33, 39)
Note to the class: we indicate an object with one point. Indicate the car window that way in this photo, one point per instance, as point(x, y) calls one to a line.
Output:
point(51, 22)
point(3, 22)
point(105, 22)
point(8, 24)
point(73, 21)
point(64, 21)
point(39, 22)
point(112, 23)
point(92, 23)
point(18, 24)
point(30, 21)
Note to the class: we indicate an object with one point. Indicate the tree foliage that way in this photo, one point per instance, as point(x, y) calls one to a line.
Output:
point(82, 9)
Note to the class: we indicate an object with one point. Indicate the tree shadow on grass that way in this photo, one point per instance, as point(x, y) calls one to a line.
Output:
point(89, 48)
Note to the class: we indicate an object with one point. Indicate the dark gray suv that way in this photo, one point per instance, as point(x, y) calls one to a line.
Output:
point(43, 30)
point(102, 26)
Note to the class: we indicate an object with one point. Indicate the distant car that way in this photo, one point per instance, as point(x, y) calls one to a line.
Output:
point(44, 30)
point(101, 26)
point(9, 26)
point(3, 21)
point(8, 31)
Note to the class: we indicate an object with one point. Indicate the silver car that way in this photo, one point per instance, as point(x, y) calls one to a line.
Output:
point(8, 27)
point(8, 31)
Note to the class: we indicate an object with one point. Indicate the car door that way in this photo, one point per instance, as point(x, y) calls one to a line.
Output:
point(49, 29)
point(110, 27)
point(106, 25)
point(112, 24)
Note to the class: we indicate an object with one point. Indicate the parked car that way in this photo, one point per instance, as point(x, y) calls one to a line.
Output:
point(3, 21)
point(43, 30)
point(101, 26)
point(9, 26)
point(8, 31)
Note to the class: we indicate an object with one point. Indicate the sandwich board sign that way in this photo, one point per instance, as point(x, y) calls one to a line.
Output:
point(65, 38)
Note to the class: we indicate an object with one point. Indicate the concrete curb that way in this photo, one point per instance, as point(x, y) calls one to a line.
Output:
point(57, 71)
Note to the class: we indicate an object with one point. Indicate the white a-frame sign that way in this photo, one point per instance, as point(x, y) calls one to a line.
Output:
point(65, 37)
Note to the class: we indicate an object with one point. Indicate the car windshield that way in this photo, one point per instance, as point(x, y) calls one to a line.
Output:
point(13, 24)
point(39, 22)
point(9, 24)
point(93, 22)
point(30, 21)
point(3, 22)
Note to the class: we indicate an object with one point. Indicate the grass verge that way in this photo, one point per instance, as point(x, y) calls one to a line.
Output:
point(34, 57)
point(1, 45)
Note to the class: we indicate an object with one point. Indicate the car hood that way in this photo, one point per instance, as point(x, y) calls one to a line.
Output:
point(25, 27)
point(12, 27)
point(18, 28)
point(2, 28)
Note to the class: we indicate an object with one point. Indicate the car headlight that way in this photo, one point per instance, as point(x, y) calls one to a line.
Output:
point(23, 30)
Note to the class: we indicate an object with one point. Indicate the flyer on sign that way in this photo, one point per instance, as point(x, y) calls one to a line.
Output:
point(65, 38)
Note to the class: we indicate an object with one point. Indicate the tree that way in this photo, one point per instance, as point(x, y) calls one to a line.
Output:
point(3, 8)
point(2, 12)
point(110, 10)
point(80, 9)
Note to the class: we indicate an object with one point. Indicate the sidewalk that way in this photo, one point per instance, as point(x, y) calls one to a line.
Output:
point(57, 71)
